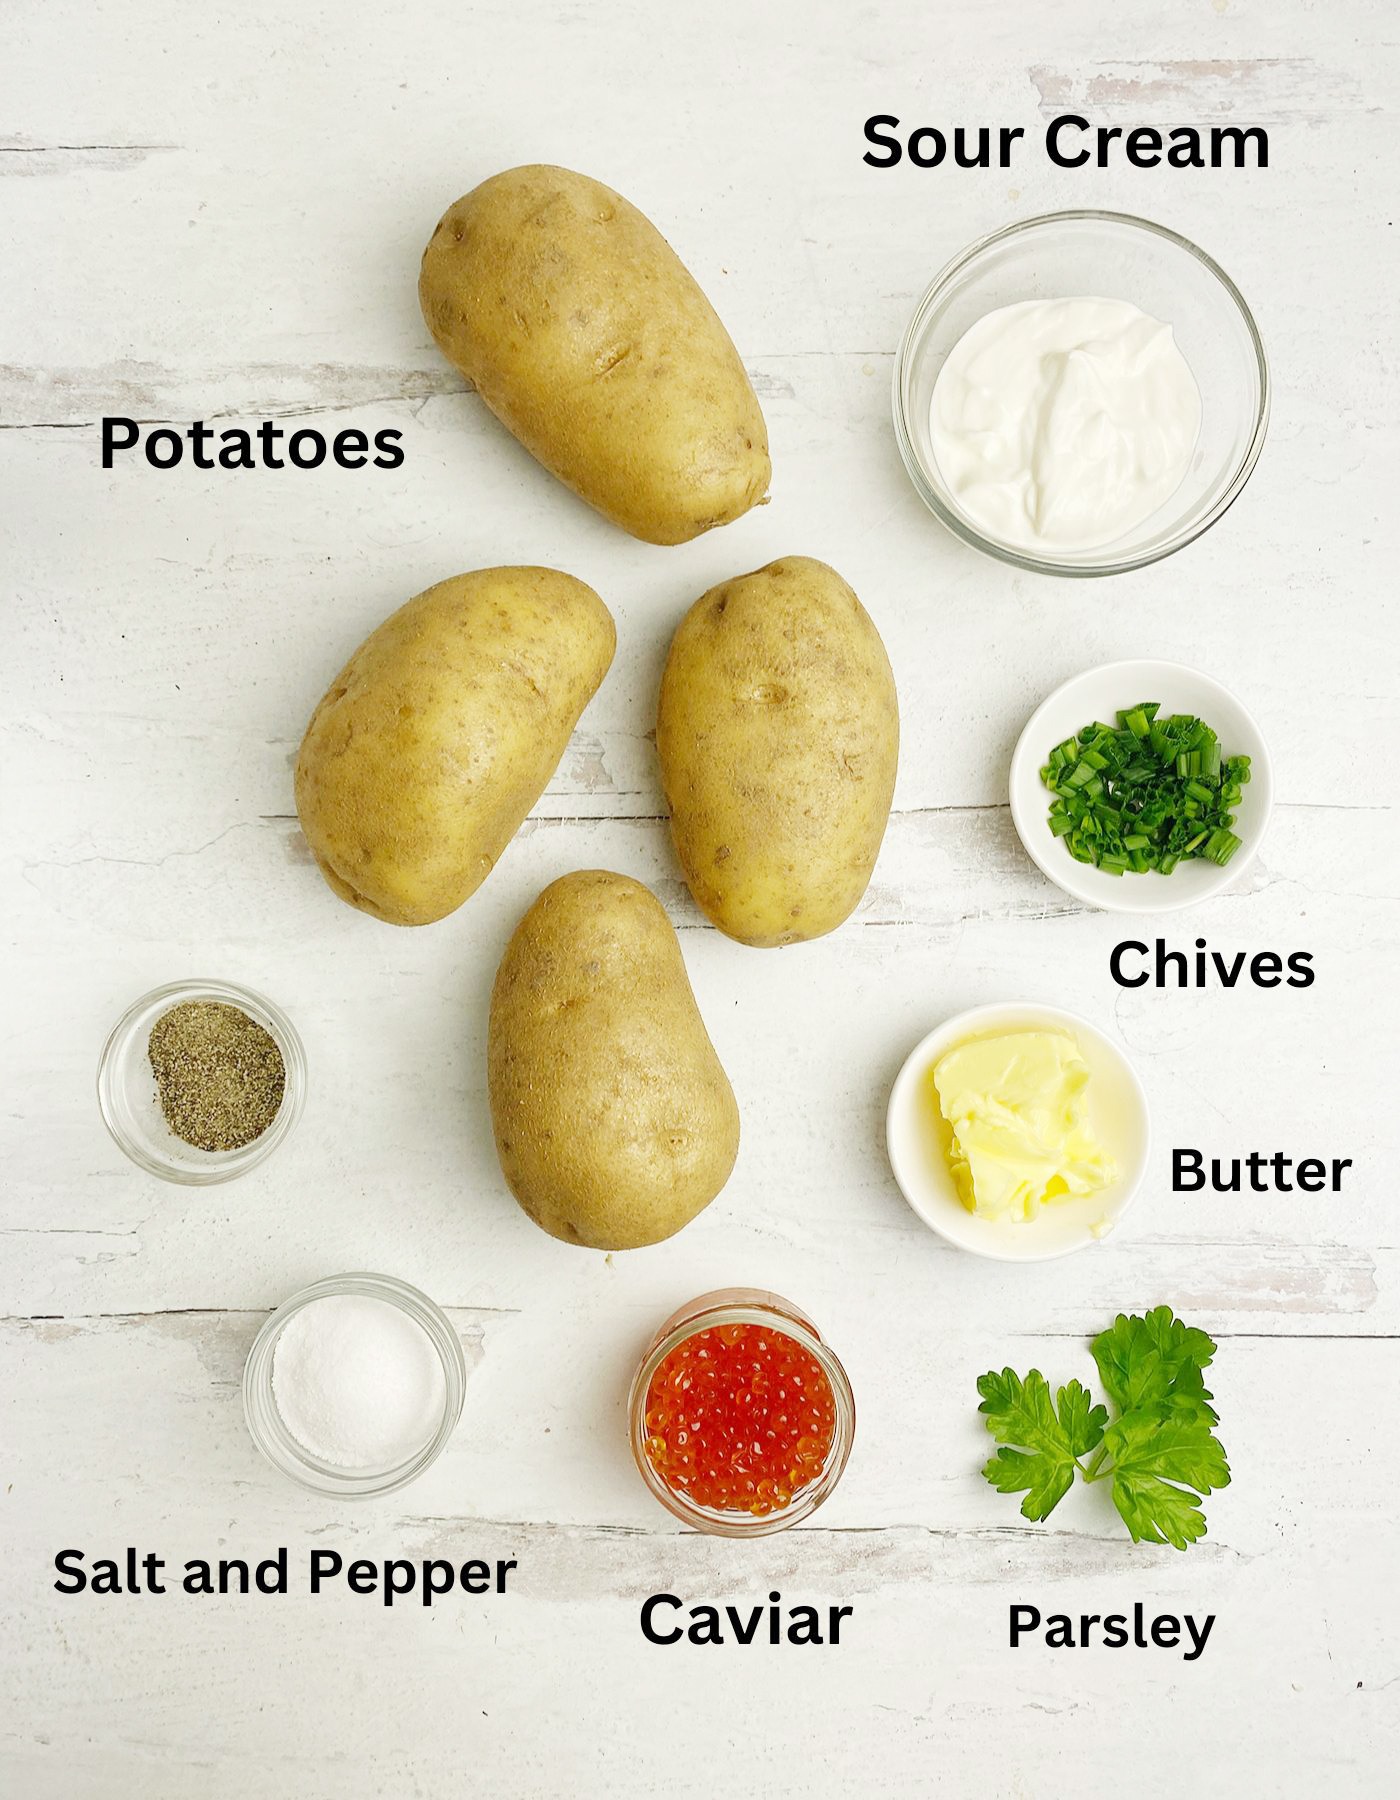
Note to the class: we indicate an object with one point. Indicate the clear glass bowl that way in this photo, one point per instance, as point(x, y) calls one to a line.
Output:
point(1118, 257)
point(742, 1306)
point(126, 1087)
point(286, 1454)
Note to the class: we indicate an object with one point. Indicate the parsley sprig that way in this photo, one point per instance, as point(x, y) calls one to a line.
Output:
point(1161, 1452)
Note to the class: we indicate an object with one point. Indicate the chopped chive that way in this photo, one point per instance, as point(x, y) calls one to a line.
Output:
point(1147, 794)
point(1136, 721)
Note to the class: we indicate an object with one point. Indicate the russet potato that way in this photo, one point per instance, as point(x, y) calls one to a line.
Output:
point(442, 731)
point(589, 339)
point(778, 737)
point(615, 1123)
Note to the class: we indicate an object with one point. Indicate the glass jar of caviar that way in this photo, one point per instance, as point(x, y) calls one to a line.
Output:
point(741, 1418)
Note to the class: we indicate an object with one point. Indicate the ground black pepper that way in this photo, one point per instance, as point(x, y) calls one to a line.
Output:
point(219, 1074)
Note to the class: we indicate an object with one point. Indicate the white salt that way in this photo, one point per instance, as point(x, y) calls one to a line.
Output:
point(357, 1382)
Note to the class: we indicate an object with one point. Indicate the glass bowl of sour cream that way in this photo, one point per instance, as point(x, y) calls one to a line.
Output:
point(1081, 394)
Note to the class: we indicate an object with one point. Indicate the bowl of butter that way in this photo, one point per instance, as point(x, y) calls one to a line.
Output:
point(1019, 1132)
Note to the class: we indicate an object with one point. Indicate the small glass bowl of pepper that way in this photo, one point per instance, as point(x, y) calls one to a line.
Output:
point(741, 1418)
point(232, 1066)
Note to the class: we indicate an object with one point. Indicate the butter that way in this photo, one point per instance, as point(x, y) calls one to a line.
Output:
point(1021, 1137)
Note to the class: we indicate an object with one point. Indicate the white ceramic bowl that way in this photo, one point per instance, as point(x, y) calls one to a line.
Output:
point(915, 1135)
point(1100, 694)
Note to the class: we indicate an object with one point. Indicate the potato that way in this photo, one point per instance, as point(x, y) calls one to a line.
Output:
point(588, 338)
point(442, 731)
point(614, 1121)
point(778, 734)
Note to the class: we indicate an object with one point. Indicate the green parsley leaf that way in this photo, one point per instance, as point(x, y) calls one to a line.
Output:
point(1050, 1434)
point(1159, 1455)
point(1154, 1361)
point(1166, 1515)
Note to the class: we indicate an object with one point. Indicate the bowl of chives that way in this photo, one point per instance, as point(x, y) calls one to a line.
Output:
point(1141, 787)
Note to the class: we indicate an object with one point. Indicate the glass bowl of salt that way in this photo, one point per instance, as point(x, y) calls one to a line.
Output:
point(354, 1385)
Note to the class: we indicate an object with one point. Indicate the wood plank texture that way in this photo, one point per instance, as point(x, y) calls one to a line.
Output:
point(217, 213)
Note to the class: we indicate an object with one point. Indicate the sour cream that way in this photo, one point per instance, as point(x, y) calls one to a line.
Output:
point(1059, 425)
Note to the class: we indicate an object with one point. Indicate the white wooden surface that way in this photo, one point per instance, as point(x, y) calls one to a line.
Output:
point(218, 212)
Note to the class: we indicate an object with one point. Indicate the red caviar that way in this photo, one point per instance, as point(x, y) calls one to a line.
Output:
point(739, 1418)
